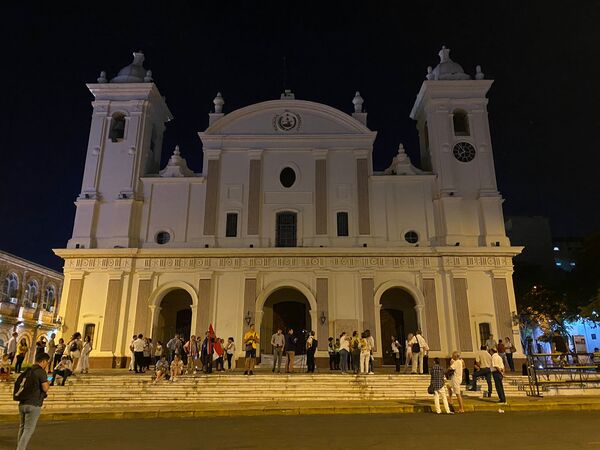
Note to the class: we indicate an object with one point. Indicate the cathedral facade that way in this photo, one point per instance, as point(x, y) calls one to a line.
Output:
point(288, 225)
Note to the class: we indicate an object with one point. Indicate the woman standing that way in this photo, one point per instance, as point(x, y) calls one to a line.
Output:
point(408, 350)
point(344, 352)
point(22, 350)
point(365, 354)
point(509, 350)
point(84, 360)
point(74, 348)
point(158, 352)
point(355, 352)
point(396, 352)
point(230, 349)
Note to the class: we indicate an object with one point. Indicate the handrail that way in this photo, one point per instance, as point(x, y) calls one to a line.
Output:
point(561, 368)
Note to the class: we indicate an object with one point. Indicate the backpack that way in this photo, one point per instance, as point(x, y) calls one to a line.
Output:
point(356, 345)
point(415, 347)
point(73, 347)
point(25, 386)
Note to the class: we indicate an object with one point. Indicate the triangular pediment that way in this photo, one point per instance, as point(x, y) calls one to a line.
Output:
point(286, 118)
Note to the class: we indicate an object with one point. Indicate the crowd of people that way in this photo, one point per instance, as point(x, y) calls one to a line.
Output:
point(65, 359)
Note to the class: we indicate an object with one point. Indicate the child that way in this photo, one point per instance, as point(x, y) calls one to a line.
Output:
point(176, 367)
point(5, 368)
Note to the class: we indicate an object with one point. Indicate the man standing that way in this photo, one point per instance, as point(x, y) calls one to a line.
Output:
point(30, 392)
point(490, 343)
point(51, 346)
point(278, 342)
point(251, 340)
point(11, 347)
point(138, 354)
point(483, 368)
point(498, 375)
point(559, 346)
point(171, 346)
point(311, 348)
point(290, 351)
point(419, 347)
point(438, 386)
point(371, 343)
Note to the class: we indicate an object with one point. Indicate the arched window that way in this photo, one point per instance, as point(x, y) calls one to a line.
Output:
point(117, 127)
point(11, 286)
point(285, 231)
point(31, 295)
point(49, 298)
point(460, 121)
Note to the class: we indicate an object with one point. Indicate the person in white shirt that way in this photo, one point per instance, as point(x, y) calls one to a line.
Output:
point(483, 368)
point(396, 352)
point(456, 366)
point(371, 342)
point(419, 348)
point(408, 350)
point(498, 375)
point(230, 351)
point(278, 342)
point(83, 366)
point(132, 360)
point(11, 347)
point(138, 353)
point(344, 352)
point(491, 342)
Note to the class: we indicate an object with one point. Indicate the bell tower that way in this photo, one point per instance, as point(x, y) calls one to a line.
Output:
point(128, 122)
point(452, 120)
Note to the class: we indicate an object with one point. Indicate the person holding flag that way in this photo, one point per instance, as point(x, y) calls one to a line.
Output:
point(251, 340)
point(215, 349)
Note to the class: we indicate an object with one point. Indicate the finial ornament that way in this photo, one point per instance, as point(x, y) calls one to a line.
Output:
point(429, 75)
point(357, 101)
point(148, 78)
point(446, 69)
point(479, 75)
point(218, 102)
point(102, 77)
point(176, 167)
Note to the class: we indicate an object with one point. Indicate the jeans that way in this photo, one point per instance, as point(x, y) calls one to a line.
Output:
point(485, 372)
point(344, 360)
point(29, 415)
point(397, 361)
point(19, 363)
point(138, 361)
point(511, 363)
point(332, 361)
point(499, 386)
point(277, 356)
point(229, 357)
point(66, 373)
point(310, 360)
point(356, 361)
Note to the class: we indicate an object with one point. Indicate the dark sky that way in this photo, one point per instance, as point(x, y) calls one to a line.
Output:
point(544, 113)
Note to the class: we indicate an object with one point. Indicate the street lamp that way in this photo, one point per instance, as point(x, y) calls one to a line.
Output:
point(323, 318)
point(248, 318)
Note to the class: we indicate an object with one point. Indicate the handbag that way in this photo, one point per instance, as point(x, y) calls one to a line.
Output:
point(430, 389)
point(513, 349)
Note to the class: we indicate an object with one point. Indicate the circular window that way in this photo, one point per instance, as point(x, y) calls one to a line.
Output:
point(411, 237)
point(464, 152)
point(287, 177)
point(163, 237)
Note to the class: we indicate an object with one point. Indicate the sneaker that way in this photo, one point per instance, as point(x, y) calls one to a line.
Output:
point(503, 403)
point(371, 373)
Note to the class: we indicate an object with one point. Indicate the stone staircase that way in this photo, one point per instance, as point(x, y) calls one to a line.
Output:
point(125, 390)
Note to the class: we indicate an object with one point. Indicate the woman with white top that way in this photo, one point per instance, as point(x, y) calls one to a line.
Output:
point(84, 361)
point(408, 349)
point(365, 354)
point(396, 352)
point(230, 349)
point(344, 352)
point(74, 348)
point(455, 377)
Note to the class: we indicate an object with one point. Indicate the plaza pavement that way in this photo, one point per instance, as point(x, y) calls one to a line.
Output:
point(551, 430)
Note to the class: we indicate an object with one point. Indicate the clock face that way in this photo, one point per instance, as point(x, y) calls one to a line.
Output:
point(287, 121)
point(464, 152)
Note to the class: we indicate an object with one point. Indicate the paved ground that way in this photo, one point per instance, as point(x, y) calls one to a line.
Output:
point(522, 431)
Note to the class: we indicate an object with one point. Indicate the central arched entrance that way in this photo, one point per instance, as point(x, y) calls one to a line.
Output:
point(175, 316)
point(285, 308)
point(398, 318)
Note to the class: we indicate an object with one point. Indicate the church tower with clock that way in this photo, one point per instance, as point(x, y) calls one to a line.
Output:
point(452, 120)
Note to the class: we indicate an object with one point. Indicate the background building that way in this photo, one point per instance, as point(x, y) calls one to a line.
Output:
point(29, 300)
point(288, 225)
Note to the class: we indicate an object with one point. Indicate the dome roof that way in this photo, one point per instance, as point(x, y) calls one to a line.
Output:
point(134, 72)
point(447, 69)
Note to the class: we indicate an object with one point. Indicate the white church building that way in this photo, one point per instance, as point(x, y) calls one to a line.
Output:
point(288, 225)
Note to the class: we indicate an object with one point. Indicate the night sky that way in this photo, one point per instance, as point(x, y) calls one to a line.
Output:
point(544, 112)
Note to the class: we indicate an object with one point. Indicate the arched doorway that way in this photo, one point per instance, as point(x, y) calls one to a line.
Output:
point(175, 316)
point(397, 318)
point(285, 308)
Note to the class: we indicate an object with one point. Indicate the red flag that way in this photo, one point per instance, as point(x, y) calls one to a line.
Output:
point(217, 346)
